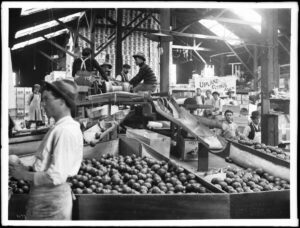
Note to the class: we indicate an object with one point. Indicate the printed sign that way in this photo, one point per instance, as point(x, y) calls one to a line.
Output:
point(220, 84)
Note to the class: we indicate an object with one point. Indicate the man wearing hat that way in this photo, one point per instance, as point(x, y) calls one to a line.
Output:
point(83, 68)
point(123, 77)
point(34, 103)
point(107, 67)
point(230, 99)
point(145, 74)
point(217, 103)
point(253, 130)
point(58, 157)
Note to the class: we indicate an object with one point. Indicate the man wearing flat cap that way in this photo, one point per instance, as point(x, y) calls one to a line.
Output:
point(83, 68)
point(58, 157)
point(107, 67)
point(253, 130)
point(145, 74)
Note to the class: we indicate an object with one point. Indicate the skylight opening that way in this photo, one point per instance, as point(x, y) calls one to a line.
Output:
point(221, 31)
point(251, 16)
point(29, 11)
point(38, 39)
point(46, 25)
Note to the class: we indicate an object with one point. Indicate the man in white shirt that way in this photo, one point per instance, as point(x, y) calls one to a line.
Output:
point(229, 128)
point(200, 100)
point(58, 156)
point(123, 77)
point(230, 99)
point(253, 130)
point(209, 98)
point(217, 103)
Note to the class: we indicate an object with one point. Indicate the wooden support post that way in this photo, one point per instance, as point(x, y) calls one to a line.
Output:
point(222, 65)
point(270, 72)
point(119, 58)
point(165, 19)
point(255, 68)
point(92, 31)
point(202, 158)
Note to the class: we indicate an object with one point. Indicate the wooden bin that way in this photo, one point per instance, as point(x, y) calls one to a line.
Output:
point(216, 205)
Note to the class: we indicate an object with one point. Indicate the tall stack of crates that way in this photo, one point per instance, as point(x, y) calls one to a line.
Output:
point(135, 42)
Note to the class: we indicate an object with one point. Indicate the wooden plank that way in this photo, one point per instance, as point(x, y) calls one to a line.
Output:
point(191, 48)
point(247, 159)
point(144, 207)
point(165, 57)
point(28, 138)
point(118, 46)
point(267, 157)
point(267, 205)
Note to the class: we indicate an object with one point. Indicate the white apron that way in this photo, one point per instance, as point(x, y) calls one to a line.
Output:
point(257, 137)
point(50, 203)
point(35, 108)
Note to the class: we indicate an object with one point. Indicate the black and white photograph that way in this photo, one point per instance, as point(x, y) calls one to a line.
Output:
point(149, 113)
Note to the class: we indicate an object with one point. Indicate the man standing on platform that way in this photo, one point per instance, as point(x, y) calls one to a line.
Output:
point(145, 74)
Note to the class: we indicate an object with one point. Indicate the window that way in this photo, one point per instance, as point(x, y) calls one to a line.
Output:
point(221, 31)
point(249, 15)
point(38, 39)
point(46, 25)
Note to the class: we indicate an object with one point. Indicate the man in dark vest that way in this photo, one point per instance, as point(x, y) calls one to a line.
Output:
point(145, 74)
point(253, 131)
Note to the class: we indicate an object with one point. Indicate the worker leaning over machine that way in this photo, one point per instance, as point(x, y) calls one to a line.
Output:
point(145, 73)
point(58, 157)
point(83, 69)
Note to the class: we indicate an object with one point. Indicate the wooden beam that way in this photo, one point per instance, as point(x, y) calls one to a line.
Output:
point(239, 58)
point(247, 49)
point(73, 31)
point(232, 21)
point(124, 37)
point(125, 27)
point(59, 47)
point(255, 68)
point(224, 53)
point(137, 25)
point(165, 16)
point(191, 48)
point(270, 73)
point(200, 57)
point(46, 16)
point(118, 55)
point(199, 36)
point(155, 19)
point(284, 48)
point(47, 56)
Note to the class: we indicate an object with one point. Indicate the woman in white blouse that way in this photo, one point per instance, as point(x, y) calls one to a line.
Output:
point(58, 157)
